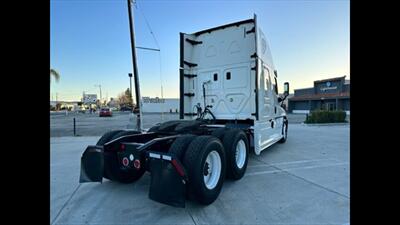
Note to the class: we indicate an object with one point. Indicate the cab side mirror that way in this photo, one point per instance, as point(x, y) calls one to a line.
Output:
point(286, 88)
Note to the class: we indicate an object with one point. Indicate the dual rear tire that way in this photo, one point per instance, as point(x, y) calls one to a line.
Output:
point(209, 159)
point(236, 146)
point(205, 163)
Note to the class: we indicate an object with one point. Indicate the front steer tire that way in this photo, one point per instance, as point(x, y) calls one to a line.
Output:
point(284, 132)
point(195, 161)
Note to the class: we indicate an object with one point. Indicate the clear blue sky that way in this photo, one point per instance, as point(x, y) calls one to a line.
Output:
point(90, 43)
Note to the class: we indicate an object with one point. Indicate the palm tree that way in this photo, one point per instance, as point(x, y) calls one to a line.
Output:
point(55, 74)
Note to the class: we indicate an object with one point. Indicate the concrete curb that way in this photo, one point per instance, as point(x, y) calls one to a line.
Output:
point(324, 124)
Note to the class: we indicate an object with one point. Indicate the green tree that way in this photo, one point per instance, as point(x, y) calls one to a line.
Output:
point(55, 74)
point(58, 106)
point(125, 98)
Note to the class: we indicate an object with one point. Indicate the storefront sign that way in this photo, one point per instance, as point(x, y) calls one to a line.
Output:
point(153, 100)
point(328, 87)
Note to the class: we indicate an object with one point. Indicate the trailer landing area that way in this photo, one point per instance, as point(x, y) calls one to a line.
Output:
point(304, 181)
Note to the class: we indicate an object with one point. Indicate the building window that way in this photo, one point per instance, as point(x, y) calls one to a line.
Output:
point(331, 106)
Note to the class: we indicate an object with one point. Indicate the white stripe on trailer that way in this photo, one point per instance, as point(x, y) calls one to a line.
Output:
point(155, 155)
point(166, 157)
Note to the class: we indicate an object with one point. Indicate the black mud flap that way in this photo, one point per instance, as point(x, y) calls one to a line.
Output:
point(92, 164)
point(168, 184)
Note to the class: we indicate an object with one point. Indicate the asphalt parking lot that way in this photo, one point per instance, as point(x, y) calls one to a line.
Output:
point(303, 181)
point(61, 124)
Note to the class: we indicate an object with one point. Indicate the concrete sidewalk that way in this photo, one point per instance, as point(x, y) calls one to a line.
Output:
point(303, 181)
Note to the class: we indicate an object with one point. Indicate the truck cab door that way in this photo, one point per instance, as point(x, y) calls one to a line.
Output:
point(265, 126)
point(276, 120)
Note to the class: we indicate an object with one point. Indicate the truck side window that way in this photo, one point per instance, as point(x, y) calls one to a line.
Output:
point(274, 85)
point(228, 75)
point(215, 76)
point(267, 78)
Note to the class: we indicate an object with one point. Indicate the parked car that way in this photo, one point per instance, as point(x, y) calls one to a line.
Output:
point(114, 109)
point(125, 108)
point(105, 112)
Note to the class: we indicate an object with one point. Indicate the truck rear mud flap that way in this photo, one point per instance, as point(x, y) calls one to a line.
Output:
point(92, 164)
point(168, 179)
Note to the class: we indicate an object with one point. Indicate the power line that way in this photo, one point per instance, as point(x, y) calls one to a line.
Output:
point(159, 56)
point(152, 49)
point(148, 26)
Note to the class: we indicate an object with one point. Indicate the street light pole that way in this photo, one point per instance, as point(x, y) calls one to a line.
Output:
point(99, 85)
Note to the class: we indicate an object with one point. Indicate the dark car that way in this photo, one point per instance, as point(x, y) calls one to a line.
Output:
point(125, 108)
point(105, 112)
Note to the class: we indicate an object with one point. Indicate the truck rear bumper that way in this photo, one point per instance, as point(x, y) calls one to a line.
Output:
point(168, 176)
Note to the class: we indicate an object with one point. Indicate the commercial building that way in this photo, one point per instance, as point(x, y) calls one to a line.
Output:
point(70, 105)
point(286, 101)
point(158, 105)
point(329, 94)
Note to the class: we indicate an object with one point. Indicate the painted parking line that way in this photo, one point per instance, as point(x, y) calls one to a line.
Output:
point(296, 168)
point(292, 162)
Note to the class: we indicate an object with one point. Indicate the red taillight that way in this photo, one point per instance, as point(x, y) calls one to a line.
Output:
point(136, 164)
point(178, 168)
point(122, 147)
point(125, 161)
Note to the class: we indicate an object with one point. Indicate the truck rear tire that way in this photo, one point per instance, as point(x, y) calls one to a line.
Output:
point(104, 139)
point(205, 164)
point(107, 137)
point(112, 167)
point(178, 148)
point(154, 128)
point(219, 133)
point(236, 147)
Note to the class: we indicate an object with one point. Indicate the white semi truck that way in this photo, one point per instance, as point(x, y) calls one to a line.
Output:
point(229, 106)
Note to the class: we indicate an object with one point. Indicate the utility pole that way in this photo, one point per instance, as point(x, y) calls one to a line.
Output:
point(135, 70)
point(99, 85)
